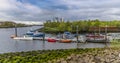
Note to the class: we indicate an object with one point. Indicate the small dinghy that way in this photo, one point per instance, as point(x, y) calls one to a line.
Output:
point(65, 40)
point(51, 40)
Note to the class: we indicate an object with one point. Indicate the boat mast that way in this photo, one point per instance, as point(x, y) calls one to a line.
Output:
point(106, 33)
point(99, 30)
point(43, 37)
point(77, 32)
point(44, 34)
point(94, 32)
point(71, 28)
point(15, 30)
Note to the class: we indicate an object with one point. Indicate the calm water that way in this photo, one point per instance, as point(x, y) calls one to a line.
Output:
point(7, 44)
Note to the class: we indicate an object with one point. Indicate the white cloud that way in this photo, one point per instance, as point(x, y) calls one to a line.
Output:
point(15, 10)
point(75, 10)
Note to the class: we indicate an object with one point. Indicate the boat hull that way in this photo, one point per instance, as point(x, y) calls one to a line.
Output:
point(97, 41)
point(23, 38)
point(96, 38)
point(51, 40)
point(65, 41)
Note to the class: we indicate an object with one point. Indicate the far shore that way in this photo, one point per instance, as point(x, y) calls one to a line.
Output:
point(21, 26)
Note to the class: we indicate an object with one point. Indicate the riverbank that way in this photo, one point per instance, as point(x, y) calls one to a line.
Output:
point(9, 24)
point(98, 56)
point(88, 55)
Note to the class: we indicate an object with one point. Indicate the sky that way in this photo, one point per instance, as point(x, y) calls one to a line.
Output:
point(42, 10)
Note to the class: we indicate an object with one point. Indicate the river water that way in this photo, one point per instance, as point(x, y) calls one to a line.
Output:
point(8, 44)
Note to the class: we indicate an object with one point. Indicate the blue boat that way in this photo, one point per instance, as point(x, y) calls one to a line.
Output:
point(65, 35)
point(34, 33)
point(38, 35)
point(29, 33)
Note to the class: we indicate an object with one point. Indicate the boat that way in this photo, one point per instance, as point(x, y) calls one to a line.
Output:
point(35, 34)
point(38, 35)
point(23, 38)
point(12, 36)
point(30, 35)
point(96, 38)
point(51, 40)
point(65, 40)
point(81, 38)
point(65, 35)
point(114, 36)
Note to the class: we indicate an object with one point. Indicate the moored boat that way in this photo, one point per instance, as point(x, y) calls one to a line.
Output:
point(96, 38)
point(34, 34)
point(81, 38)
point(13, 36)
point(51, 40)
point(65, 40)
point(30, 35)
point(23, 38)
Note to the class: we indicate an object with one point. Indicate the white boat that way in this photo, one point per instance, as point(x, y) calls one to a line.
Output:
point(80, 39)
point(96, 38)
point(114, 36)
point(30, 35)
point(23, 38)
point(30, 38)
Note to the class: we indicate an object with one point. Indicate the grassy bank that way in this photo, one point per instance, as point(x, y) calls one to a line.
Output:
point(46, 56)
point(115, 43)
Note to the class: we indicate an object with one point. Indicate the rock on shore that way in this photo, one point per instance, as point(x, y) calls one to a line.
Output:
point(104, 56)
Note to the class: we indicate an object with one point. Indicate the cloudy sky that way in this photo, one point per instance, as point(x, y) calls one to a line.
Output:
point(41, 10)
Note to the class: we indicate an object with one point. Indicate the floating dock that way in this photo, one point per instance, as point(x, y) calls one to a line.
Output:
point(23, 38)
point(30, 38)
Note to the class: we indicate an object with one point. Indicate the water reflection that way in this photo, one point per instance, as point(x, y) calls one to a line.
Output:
point(92, 45)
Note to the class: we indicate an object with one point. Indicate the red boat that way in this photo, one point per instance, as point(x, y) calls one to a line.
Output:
point(51, 40)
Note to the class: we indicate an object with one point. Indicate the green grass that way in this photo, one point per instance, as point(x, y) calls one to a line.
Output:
point(42, 55)
point(115, 43)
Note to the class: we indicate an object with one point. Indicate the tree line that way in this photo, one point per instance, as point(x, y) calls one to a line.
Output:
point(83, 25)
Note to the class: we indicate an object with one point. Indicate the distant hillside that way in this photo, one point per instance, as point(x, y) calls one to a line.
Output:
point(8, 24)
point(30, 22)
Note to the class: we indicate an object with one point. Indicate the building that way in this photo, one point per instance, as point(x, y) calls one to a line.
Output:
point(103, 29)
point(58, 19)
